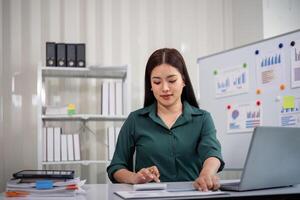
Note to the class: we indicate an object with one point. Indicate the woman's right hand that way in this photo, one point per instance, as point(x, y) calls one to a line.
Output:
point(146, 175)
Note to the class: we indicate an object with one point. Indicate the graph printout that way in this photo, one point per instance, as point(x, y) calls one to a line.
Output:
point(290, 116)
point(232, 81)
point(295, 65)
point(243, 117)
point(270, 70)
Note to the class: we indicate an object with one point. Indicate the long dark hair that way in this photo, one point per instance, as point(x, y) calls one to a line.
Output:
point(174, 58)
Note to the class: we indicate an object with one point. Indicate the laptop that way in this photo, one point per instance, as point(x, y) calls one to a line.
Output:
point(273, 160)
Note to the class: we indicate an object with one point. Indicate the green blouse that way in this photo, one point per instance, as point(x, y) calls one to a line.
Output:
point(178, 153)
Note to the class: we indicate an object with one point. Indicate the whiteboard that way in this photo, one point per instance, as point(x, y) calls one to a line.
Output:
point(253, 85)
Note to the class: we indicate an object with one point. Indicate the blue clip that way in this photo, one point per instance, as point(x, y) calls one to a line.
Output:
point(44, 184)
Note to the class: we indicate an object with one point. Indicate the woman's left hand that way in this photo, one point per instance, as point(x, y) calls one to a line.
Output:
point(207, 181)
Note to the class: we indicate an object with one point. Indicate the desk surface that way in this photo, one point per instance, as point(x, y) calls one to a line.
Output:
point(106, 192)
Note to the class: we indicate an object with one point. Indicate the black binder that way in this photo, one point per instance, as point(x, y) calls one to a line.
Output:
point(71, 55)
point(50, 54)
point(80, 55)
point(61, 54)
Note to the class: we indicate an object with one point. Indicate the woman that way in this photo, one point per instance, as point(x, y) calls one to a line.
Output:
point(173, 139)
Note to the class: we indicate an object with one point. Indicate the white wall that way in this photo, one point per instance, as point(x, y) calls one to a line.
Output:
point(247, 21)
point(1, 104)
point(115, 32)
point(280, 16)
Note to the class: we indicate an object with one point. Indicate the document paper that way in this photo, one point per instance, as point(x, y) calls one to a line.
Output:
point(164, 194)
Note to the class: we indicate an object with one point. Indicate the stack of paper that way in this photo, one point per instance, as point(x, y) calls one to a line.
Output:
point(68, 188)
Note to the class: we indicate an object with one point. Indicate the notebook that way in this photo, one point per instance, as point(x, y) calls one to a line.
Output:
point(272, 160)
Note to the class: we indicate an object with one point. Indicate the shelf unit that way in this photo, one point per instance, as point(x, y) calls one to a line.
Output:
point(95, 72)
point(82, 117)
point(82, 162)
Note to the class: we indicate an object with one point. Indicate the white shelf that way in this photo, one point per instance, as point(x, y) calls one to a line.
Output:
point(82, 117)
point(88, 72)
point(82, 162)
point(121, 73)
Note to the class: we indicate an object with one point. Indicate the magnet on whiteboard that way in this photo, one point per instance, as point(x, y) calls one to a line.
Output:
point(258, 103)
point(293, 43)
point(258, 91)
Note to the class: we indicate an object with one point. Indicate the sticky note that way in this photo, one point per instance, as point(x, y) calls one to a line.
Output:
point(44, 184)
point(288, 102)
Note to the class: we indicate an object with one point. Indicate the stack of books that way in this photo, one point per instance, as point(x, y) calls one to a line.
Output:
point(31, 186)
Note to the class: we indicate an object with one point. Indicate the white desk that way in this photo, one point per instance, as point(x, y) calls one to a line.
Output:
point(106, 192)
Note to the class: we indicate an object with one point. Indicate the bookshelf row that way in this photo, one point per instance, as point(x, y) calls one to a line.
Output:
point(82, 117)
point(119, 72)
point(112, 105)
point(59, 148)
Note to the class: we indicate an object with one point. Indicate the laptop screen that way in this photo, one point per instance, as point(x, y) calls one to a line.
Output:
point(272, 159)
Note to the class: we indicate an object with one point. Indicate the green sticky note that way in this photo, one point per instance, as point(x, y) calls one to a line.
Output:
point(71, 112)
point(288, 102)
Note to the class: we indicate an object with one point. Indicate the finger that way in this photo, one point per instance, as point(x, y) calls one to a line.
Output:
point(147, 174)
point(196, 184)
point(202, 184)
point(141, 175)
point(155, 171)
point(156, 179)
point(216, 181)
point(139, 178)
point(209, 182)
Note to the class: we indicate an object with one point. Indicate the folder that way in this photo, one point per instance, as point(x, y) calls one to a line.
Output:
point(57, 131)
point(105, 98)
point(70, 147)
point(112, 98)
point(119, 98)
point(76, 147)
point(64, 148)
point(50, 144)
point(44, 144)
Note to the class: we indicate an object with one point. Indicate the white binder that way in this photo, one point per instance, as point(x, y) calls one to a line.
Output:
point(50, 144)
point(57, 149)
point(64, 148)
point(70, 147)
point(76, 147)
point(119, 98)
point(105, 98)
